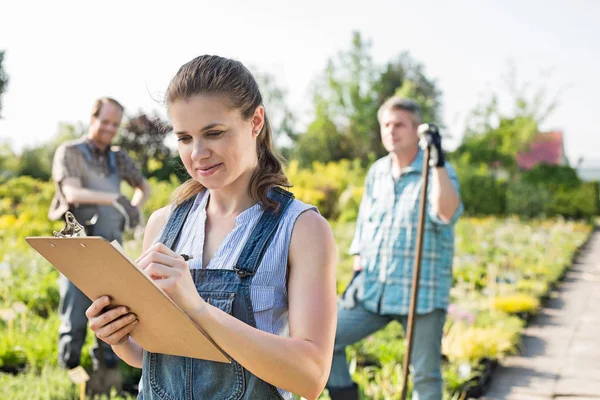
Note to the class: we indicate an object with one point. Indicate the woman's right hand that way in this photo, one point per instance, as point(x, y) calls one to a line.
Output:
point(112, 326)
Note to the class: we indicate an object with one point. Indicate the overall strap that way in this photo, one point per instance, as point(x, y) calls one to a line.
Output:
point(174, 226)
point(260, 238)
point(112, 159)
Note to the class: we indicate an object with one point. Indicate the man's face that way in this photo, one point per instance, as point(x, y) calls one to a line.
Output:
point(104, 127)
point(398, 131)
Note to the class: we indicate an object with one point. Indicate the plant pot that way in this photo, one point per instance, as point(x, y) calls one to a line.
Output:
point(478, 386)
point(13, 369)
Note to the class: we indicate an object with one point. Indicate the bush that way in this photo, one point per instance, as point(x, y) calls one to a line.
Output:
point(482, 194)
point(552, 175)
point(567, 195)
point(526, 200)
point(335, 188)
point(574, 202)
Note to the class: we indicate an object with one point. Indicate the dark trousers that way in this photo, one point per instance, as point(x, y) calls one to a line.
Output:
point(73, 329)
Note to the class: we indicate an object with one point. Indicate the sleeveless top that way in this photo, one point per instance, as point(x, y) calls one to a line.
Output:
point(268, 285)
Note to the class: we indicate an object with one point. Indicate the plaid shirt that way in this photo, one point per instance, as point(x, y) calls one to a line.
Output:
point(385, 238)
point(69, 162)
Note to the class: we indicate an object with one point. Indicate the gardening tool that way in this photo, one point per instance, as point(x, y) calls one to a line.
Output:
point(425, 132)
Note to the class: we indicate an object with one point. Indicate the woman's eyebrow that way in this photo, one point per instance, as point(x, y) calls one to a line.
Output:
point(206, 128)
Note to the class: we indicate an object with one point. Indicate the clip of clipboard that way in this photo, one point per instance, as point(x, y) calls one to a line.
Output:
point(98, 267)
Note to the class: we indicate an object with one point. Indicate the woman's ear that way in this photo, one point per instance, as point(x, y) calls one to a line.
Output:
point(258, 120)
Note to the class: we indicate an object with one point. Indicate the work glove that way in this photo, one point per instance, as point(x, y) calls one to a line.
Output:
point(129, 212)
point(354, 291)
point(429, 135)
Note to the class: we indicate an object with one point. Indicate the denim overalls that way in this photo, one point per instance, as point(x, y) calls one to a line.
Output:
point(169, 377)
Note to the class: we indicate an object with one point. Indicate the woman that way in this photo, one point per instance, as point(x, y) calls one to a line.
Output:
point(262, 279)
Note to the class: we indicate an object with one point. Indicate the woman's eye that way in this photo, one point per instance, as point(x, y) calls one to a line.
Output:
point(184, 139)
point(213, 134)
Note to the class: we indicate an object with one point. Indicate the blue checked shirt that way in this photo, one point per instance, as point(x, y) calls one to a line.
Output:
point(385, 239)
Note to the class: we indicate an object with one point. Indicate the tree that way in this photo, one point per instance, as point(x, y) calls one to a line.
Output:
point(3, 80)
point(278, 110)
point(37, 161)
point(353, 87)
point(321, 142)
point(494, 136)
point(143, 137)
point(9, 162)
point(346, 94)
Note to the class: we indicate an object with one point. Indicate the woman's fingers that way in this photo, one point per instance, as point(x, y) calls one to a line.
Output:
point(160, 258)
point(110, 326)
point(116, 331)
point(118, 336)
point(163, 259)
point(100, 321)
point(160, 271)
point(109, 329)
point(97, 307)
point(158, 248)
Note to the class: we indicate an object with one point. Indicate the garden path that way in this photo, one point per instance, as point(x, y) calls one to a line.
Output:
point(560, 357)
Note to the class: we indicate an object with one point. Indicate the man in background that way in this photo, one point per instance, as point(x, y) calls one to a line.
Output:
point(87, 174)
point(384, 252)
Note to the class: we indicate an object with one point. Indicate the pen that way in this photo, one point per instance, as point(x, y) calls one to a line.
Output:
point(186, 257)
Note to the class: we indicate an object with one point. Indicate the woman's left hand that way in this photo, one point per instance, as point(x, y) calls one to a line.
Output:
point(170, 272)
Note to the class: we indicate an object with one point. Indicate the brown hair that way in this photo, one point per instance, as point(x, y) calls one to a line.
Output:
point(217, 75)
point(105, 100)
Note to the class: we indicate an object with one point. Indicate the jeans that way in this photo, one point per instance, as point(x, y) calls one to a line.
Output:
point(356, 323)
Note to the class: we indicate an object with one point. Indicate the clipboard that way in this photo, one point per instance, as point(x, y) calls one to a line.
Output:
point(99, 268)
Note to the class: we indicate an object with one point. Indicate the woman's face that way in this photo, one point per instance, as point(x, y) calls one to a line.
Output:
point(215, 143)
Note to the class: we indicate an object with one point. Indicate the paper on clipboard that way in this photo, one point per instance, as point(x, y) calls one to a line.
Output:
point(99, 268)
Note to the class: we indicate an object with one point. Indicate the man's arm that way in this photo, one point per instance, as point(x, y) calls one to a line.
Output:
point(75, 194)
point(67, 172)
point(141, 194)
point(356, 244)
point(444, 197)
point(131, 173)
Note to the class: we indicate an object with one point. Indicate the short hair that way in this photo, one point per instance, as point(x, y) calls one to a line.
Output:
point(105, 100)
point(401, 103)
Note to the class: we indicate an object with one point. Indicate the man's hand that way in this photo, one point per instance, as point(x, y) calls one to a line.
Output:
point(130, 212)
point(354, 291)
point(430, 137)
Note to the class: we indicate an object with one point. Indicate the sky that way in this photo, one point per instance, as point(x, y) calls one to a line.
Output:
point(62, 55)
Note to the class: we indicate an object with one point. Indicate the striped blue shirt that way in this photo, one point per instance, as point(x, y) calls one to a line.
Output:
point(385, 239)
point(268, 290)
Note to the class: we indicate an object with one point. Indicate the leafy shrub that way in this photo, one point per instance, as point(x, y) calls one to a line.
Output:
point(574, 202)
point(526, 200)
point(482, 194)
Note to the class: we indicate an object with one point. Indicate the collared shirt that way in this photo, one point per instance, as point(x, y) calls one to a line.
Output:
point(385, 239)
point(69, 162)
